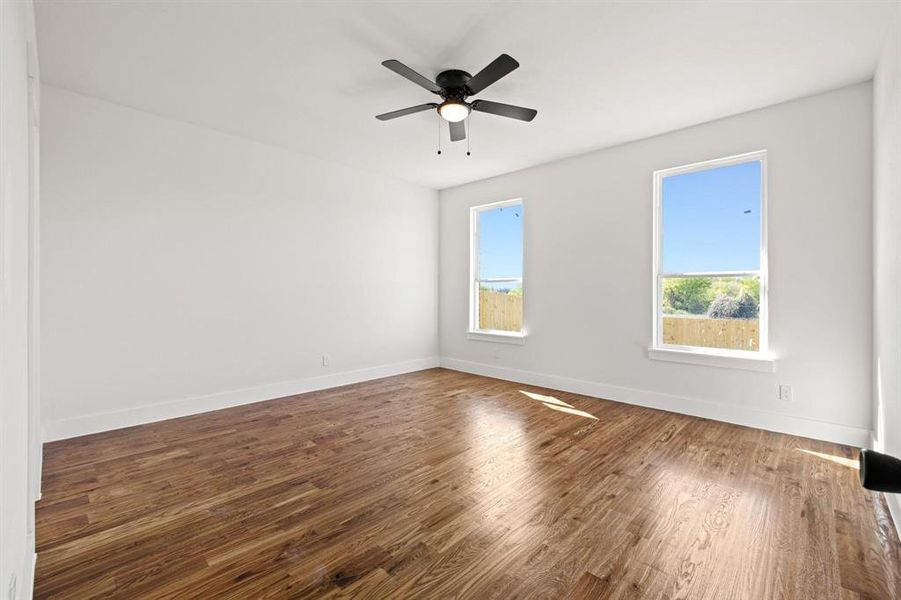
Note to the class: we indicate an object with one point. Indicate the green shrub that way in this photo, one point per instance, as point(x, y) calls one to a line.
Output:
point(687, 295)
point(745, 306)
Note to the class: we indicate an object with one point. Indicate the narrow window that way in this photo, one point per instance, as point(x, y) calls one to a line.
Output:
point(710, 259)
point(496, 293)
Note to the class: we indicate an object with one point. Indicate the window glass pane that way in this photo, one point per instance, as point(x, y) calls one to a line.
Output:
point(711, 220)
point(500, 306)
point(712, 312)
point(500, 242)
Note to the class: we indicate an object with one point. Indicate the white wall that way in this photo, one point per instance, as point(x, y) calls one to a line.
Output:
point(19, 449)
point(587, 272)
point(180, 262)
point(887, 252)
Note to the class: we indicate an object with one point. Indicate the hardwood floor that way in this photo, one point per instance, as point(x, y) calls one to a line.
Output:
point(441, 484)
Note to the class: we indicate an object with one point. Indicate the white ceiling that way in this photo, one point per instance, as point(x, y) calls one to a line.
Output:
point(306, 75)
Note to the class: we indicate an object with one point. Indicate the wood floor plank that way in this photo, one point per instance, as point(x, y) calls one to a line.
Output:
point(441, 484)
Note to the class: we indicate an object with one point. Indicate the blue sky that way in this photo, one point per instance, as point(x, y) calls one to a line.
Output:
point(711, 220)
point(706, 225)
point(500, 242)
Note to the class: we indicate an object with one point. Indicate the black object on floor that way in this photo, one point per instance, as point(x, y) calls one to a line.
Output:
point(880, 472)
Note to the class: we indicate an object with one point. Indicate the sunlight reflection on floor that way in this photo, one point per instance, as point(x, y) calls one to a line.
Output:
point(839, 460)
point(555, 404)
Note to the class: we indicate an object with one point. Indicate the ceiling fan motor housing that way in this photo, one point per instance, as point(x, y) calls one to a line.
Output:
point(453, 82)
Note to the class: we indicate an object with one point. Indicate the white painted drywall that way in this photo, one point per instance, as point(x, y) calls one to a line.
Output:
point(588, 275)
point(19, 448)
point(887, 252)
point(179, 262)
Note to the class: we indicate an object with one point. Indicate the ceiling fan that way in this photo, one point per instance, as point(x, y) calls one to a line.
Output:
point(455, 86)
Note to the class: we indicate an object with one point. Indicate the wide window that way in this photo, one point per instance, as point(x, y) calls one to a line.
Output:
point(496, 293)
point(710, 259)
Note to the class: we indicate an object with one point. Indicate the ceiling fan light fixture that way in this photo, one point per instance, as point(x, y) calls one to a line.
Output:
point(453, 111)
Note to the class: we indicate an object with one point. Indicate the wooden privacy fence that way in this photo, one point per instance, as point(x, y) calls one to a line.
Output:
point(500, 311)
point(734, 334)
point(503, 312)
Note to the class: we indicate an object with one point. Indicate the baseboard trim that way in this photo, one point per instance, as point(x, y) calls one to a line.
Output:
point(31, 569)
point(107, 421)
point(770, 421)
point(739, 415)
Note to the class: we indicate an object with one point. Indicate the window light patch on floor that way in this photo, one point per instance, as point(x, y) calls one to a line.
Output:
point(556, 404)
point(839, 460)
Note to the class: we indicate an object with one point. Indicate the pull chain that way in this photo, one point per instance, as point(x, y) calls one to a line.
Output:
point(468, 132)
point(439, 132)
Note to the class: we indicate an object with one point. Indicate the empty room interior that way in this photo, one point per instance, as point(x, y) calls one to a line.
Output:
point(450, 299)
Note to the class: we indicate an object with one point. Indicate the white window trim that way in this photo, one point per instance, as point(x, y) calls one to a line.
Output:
point(491, 335)
point(760, 360)
point(501, 337)
point(714, 357)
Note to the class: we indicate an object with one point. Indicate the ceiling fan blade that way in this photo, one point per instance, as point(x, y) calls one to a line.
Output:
point(405, 71)
point(499, 67)
point(457, 131)
point(404, 112)
point(504, 110)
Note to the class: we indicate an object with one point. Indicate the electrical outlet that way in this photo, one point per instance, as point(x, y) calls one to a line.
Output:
point(785, 393)
point(325, 360)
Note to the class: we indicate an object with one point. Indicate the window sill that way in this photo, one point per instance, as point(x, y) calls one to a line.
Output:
point(503, 337)
point(714, 358)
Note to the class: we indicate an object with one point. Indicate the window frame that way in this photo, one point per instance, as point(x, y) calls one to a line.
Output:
point(752, 359)
point(473, 331)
